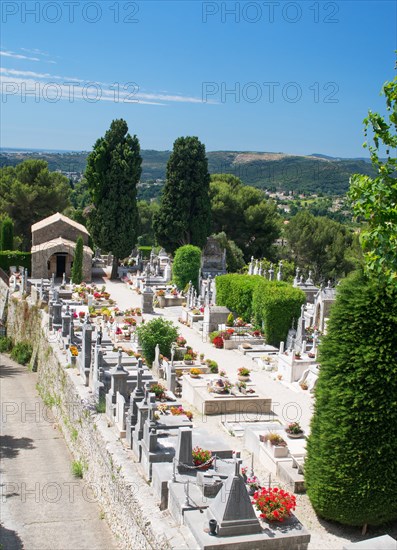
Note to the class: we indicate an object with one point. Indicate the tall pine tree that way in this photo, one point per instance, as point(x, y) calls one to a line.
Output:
point(113, 172)
point(185, 213)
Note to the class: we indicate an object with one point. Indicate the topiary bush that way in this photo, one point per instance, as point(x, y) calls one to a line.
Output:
point(186, 266)
point(350, 470)
point(157, 331)
point(275, 304)
point(236, 291)
point(271, 305)
point(22, 352)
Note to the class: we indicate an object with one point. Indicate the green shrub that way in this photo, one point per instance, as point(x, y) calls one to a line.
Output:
point(17, 258)
point(77, 468)
point(5, 344)
point(186, 266)
point(157, 331)
point(350, 470)
point(271, 305)
point(275, 304)
point(235, 292)
point(22, 352)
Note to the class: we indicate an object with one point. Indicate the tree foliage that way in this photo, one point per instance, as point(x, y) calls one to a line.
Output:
point(350, 470)
point(77, 270)
point(146, 213)
point(375, 199)
point(113, 172)
point(185, 213)
point(157, 331)
point(6, 233)
point(186, 266)
point(234, 254)
point(320, 244)
point(30, 193)
point(243, 213)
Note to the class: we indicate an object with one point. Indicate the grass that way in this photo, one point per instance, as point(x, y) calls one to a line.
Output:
point(101, 405)
point(77, 468)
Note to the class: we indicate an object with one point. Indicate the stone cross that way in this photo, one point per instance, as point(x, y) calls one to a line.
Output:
point(271, 273)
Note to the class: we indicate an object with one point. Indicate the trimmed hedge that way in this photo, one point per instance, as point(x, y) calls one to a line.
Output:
point(236, 293)
point(270, 304)
point(17, 258)
point(350, 469)
point(275, 305)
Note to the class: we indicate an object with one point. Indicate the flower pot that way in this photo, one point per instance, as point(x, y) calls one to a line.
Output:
point(243, 377)
point(187, 362)
point(296, 436)
point(194, 376)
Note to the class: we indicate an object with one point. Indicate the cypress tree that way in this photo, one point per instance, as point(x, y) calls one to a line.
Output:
point(7, 234)
point(185, 213)
point(113, 173)
point(351, 470)
point(77, 270)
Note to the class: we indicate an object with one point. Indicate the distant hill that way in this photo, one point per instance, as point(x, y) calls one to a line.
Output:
point(314, 173)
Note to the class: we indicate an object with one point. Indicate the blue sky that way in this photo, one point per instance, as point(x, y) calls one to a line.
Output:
point(293, 77)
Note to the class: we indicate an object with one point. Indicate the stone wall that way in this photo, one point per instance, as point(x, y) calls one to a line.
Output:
point(124, 497)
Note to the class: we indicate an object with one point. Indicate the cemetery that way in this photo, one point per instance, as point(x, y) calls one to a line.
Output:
point(153, 409)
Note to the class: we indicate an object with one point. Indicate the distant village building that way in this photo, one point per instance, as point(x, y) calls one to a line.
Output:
point(53, 245)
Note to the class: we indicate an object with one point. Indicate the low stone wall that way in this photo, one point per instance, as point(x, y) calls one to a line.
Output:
point(124, 497)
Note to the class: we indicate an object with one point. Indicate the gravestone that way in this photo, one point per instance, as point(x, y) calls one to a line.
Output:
point(232, 508)
point(147, 299)
point(184, 450)
point(213, 259)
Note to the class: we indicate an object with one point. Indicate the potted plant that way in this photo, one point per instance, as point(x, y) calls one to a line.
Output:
point(73, 355)
point(230, 320)
point(181, 341)
point(202, 357)
point(277, 444)
point(298, 356)
point(294, 430)
point(188, 359)
point(218, 342)
point(253, 485)
point(274, 504)
point(195, 373)
point(159, 390)
point(244, 471)
point(202, 458)
point(212, 365)
point(242, 387)
point(243, 374)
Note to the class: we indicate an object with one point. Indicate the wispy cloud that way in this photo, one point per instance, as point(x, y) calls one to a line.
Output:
point(18, 56)
point(40, 53)
point(48, 86)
